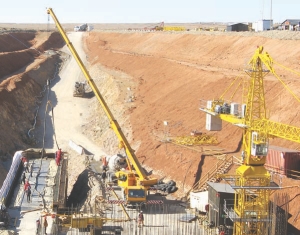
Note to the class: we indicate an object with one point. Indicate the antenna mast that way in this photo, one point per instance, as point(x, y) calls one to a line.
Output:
point(271, 22)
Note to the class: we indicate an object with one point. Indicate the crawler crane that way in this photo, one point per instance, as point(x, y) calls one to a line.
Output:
point(134, 184)
point(252, 182)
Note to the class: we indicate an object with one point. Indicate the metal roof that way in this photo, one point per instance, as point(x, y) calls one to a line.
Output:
point(281, 149)
point(237, 24)
point(219, 187)
point(292, 21)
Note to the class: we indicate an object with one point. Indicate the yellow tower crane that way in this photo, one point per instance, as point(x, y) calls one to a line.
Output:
point(252, 182)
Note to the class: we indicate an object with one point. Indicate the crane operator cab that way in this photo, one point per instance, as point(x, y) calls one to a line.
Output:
point(259, 147)
point(134, 196)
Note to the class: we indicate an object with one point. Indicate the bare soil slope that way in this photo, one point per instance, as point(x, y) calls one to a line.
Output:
point(172, 72)
point(167, 76)
point(23, 73)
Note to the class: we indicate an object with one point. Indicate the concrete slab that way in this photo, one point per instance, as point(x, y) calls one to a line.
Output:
point(25, 213)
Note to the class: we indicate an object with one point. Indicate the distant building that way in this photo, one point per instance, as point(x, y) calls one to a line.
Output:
point(262, 25)
point(239, 27)
point(289, 24)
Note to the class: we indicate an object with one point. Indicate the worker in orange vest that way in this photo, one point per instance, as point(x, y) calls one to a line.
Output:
point(104, 163)
point(58, 156)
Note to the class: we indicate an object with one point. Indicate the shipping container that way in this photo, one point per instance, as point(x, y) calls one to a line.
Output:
point(218, 193)
point(199, 200)
point(283, 161)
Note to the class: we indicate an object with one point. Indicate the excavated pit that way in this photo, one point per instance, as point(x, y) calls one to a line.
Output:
point(79, 191)
point(167, 73)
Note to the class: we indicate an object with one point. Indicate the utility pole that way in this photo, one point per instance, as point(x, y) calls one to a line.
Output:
point(271, 22)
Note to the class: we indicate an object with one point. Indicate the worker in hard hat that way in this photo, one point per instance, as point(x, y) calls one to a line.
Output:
point(141, 219)
point(58, 156)
point(104, 163)
point(38, 225)
point(26, 185)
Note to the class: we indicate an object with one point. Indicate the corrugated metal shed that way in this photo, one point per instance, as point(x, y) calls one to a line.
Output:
point(239, 27)
point(283, 160)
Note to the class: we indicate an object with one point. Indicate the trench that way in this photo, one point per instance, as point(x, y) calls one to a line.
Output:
point(79, 191)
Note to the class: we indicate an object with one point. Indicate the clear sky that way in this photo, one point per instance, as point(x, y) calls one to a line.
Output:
point(143, 11)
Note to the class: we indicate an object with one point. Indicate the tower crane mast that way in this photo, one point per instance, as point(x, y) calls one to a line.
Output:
point(252, 182)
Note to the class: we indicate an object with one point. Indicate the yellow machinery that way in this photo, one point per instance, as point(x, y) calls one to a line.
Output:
point(159, 27)
point(173, 28)
point(252, 182)
point(195, 139)
point(134, 184)
point(83, 222)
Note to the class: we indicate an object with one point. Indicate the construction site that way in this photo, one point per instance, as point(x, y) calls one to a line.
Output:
point(148, 130)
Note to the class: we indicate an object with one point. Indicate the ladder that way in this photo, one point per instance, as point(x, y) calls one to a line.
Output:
point(221, 167)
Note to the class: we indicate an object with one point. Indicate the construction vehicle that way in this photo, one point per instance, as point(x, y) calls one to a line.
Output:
point(252, 182)
point(82, 27)
point(174, 28)
point(134, 181)
point(158, 27)
point(79, 89)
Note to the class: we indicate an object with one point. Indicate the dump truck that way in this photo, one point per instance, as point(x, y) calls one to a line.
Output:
point(79, 89)
point(82, 27)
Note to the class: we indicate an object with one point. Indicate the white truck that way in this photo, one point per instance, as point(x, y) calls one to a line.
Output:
point(82, 27)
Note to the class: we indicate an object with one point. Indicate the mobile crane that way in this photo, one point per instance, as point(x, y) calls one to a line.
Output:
point(252, 181)
point(134, 184)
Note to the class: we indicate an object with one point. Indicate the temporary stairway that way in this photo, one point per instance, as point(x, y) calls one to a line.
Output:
point(221, 167)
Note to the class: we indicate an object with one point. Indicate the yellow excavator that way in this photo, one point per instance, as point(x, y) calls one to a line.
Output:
point(134, 182)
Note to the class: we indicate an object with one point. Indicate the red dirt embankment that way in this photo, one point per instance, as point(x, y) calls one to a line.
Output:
point(24, 70)
point(16, 41)
point(173, 72)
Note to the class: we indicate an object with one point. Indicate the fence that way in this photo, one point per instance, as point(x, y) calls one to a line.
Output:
point(161, 219)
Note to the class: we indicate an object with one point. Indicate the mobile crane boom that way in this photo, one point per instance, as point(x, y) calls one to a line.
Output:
point(143, 179)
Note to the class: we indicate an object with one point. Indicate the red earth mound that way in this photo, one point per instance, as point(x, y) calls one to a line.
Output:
point(174, 73)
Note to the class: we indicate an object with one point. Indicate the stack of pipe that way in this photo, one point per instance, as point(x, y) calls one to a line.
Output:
point(8, 184)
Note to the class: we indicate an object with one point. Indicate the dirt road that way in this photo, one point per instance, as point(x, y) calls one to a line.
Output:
point(70, 113)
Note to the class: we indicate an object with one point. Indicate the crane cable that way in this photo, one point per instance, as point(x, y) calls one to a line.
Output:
point(286, 68)
point(283, 83)
point(47, 87)
point(232, 83)
point(44, 124)
point(49, 102)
